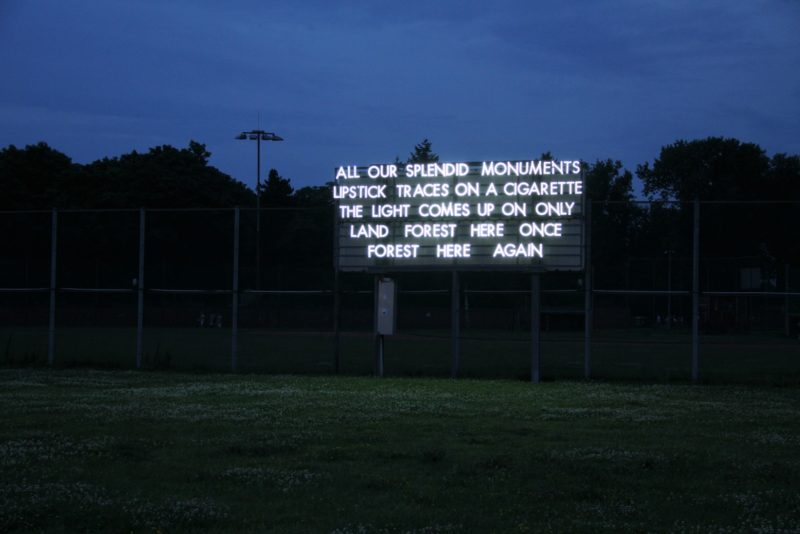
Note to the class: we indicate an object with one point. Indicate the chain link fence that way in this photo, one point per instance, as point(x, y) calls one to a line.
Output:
point(208, 290)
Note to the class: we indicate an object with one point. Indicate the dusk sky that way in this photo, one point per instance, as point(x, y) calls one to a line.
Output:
point(362, 82)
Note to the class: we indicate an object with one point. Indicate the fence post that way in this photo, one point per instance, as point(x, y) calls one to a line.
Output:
point(696, 293)
point(587, 284)
point(51, 331)
point(337, 305)
point(378, 336)
point(455, 325)
point(140, 293)
point(336, 327)
point(235, 292)
point(536, 321)
point(786, 326)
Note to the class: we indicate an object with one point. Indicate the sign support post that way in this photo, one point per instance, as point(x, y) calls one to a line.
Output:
point(535, 327)
point(455, 325)
point(378, 336)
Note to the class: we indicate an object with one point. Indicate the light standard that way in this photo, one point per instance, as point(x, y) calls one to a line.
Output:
point(258, 136)
point(669, 254)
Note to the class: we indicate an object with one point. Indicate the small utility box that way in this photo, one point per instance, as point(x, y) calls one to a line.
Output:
point(386, 316)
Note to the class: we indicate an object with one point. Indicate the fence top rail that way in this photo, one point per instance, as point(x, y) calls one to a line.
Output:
point(407, 291)
point(642, 291)
point(23, 289)
point(97, 289)
point(287, 291)
point(520, 291)
point(190, 291)
point(753, 293)
point(159, 210)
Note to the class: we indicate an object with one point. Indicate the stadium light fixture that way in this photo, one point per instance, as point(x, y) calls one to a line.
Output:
point(258, 136)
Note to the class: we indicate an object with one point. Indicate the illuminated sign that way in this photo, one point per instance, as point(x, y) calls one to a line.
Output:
point(514, 215)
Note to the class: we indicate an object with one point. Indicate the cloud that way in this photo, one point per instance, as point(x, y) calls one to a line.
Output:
point(346, 80)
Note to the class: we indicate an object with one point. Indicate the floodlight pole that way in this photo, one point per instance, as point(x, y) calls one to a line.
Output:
point(235, 294)
point(258, 136)
point(696, 293)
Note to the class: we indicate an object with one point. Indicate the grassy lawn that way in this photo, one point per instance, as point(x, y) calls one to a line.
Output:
point(144, 451)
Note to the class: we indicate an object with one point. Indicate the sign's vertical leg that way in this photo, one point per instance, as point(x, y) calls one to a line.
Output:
point(455, 326)
point(380, 355)
point(536, 345)
point(140, 293)
point(378, 366)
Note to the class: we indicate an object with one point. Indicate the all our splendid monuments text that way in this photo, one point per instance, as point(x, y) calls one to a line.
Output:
point(476, 215)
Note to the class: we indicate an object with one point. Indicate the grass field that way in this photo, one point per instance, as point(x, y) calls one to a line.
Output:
point(165, 451)
point(637, 354)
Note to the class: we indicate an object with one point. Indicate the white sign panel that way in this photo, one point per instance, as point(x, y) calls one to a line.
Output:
point(512, 215)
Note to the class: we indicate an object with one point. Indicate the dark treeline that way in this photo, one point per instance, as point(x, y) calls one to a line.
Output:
point(40, 177)
point(185, 249)
point(297, 244)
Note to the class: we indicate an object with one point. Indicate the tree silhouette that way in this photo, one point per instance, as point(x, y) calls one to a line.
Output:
point(276, 191)
point(37, 177)
point(423, 153)
point(726, 169)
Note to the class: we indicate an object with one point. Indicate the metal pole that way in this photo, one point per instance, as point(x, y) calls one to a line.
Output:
point(51, 337)
point(786, 300)
point(669, 290)
point(337, 305)
point(235, 293)
point(140, 293)
point(455, 325)
point(258, 212)
point(696, 293)
point(378, 337)
point(380, 356)
point(535, 328)
point(336, 311)
point(587, 284)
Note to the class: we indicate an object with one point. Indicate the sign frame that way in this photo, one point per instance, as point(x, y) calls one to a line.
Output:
point(579, 248)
